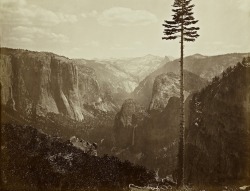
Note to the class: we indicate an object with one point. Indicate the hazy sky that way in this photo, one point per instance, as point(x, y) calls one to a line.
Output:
point(120, 28)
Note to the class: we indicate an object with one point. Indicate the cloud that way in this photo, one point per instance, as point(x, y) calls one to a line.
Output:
point(18, 12)
point(23, 35)
point(38, 33)
point(126, 17)
point(214, 43)
point(19, 41)
point(92, 14)
point(241, 5)
point(26, 24)
point(84, 15)
point(138, 43)
point(13, 2)
point(92, 44)
point(244, 5)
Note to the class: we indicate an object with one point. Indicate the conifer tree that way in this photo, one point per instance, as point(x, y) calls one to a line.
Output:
point(181, 26)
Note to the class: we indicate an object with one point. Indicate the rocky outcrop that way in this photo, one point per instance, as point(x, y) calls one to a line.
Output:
point(167, 85)
point(126, 123)
point(42, 82)
point(219, 130)
point(85, 146)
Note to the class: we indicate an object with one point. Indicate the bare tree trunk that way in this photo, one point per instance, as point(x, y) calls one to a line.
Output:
point(181, 167)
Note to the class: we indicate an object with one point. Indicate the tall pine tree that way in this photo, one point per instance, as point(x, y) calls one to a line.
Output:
point(181, 26)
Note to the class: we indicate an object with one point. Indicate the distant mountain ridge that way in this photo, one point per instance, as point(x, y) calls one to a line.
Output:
point(44, 82)
point(139, 67)
point(125, 73)
point(205, 67)
point(119, 77)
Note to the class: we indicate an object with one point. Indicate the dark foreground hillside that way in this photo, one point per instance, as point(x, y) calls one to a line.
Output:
point(218, 137)
point(32, 160)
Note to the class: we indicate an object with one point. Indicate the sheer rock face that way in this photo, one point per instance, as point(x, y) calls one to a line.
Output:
point(167, 85)
point(126, 122)
point(44, 82)
point(218, 137)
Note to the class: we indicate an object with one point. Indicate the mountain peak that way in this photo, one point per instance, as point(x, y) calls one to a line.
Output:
point(151, 55)
point(198, 56)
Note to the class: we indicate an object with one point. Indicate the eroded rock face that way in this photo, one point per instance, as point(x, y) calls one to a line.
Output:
point(64, 85)
point(44, 82)
point(218, 137)
point(167, 85)
point(126, 123)
point(85, 146)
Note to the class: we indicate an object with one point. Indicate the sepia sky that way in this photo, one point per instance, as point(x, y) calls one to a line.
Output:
point(120, 28)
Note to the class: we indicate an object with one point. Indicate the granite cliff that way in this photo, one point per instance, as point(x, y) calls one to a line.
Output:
point(167, 85)
point(156, 89)
point(40, 83)
point(126, 124)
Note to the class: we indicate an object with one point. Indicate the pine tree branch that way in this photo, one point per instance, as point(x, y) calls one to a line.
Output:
point(190, 7)
point(190, 31)
point(189, 18)
point(169, 38)
point(170, 26)
point(170, 32)
point(170, 22)
point(189, 39)
point(186, 23)
point(177, 10)
point(187, 2)
point(189, 13)
point(191, 28)
point(192, 35)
